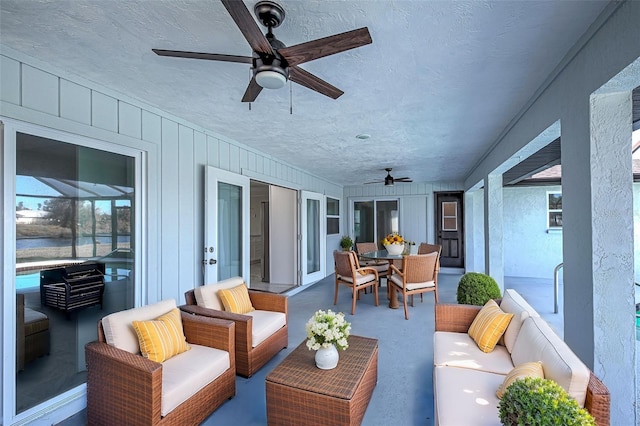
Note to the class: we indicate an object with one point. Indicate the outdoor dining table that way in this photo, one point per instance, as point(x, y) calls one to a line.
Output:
point(384, 255)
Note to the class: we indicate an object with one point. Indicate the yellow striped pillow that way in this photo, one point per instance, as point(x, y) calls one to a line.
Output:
point(161, 338)
point(528, 369)
point(489, 325)
point(236, 299)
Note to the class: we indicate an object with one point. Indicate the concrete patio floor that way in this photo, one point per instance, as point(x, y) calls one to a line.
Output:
point(404, 393)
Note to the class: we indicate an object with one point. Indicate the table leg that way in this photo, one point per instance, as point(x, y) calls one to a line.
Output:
point(392, 294)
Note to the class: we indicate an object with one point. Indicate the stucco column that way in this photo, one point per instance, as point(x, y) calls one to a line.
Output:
point(493, 229)
point(598, 244)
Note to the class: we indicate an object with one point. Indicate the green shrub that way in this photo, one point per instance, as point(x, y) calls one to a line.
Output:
point(346, 242)
point(540, 402)
point(475, 288)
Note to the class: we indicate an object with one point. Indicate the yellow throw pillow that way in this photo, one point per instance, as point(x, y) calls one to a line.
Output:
point(236, 299)
point(489, 325)
point(161, 338)
point(528, 369)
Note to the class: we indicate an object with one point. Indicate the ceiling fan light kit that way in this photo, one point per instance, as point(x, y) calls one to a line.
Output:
point(274, 63)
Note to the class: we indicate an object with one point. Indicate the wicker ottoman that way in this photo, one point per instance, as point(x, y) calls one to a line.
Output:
point(299, 393)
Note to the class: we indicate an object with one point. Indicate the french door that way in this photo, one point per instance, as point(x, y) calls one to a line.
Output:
point(227, 240)
point(313, 237)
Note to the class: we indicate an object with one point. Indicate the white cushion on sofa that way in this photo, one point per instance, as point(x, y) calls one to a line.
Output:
point(459, 350)
point(119, 332)
point(207, 295)
point(538, 342)
point(465, 397)
point(513, 303)
point(187, 373)
point(264, 324)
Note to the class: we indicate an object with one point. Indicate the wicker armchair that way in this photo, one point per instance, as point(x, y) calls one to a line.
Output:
point(126, 388)
point(418, 276)
point(32, 333)
point(250, 357)
point(349, 273)
point(382, 266)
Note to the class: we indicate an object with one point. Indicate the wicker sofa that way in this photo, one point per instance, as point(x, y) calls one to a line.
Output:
point(260, 335)
point(465, 379)
point(123, 387)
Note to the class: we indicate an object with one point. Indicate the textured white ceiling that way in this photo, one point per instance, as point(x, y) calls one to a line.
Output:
point(440, 82)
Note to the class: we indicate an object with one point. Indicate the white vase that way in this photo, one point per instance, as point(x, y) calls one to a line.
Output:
point(327, 358)
point(395, 249)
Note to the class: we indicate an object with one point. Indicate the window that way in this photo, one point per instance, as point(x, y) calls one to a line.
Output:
point(73, 203)
point(333, 216)
point(372, 220)
point(554, 210)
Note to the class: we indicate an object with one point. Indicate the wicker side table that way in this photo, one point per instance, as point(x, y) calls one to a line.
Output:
point(299, 393)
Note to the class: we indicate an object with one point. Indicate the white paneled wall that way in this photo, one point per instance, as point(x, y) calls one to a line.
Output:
point(176, 153)
point(416, 205)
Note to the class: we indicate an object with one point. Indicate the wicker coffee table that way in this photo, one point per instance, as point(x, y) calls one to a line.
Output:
point(299, 393)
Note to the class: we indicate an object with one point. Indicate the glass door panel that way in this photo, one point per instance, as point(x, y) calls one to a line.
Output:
point(313, 237)
point(227, 235)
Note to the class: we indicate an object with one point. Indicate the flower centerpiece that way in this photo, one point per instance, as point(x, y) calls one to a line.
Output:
point(327, 331)
point(394, 243)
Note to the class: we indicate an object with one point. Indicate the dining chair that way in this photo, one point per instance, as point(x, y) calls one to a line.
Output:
point(418, 276)
point(425, 248)
point(349, 273)
point(382, 266)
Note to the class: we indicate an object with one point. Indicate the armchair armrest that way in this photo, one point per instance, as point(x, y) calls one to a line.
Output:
point(455, 318)
point(269, 301)
point(394, 269)
point(243, 323)
point(107, 366)
point(212, 332)
point(367, 268)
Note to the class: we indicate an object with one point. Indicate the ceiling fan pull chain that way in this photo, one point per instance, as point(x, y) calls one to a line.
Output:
point(290, 98)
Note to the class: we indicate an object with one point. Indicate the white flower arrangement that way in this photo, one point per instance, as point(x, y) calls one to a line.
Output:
point(327, 328)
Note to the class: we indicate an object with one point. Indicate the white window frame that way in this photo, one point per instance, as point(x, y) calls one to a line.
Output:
point(551, 210)
point(333, 216)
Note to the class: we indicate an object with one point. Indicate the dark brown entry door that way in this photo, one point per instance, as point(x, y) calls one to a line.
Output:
point(449, 228)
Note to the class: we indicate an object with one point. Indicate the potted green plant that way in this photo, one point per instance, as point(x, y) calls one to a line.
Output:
point(539, 402)
point(475, 288)
point(346, 243)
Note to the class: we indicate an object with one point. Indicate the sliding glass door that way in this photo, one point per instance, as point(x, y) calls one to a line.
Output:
point(373, 219)
point(74, 219)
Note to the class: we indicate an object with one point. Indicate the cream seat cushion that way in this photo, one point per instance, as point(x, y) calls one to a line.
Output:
point(466, 397)
point(265, 323)
point(207, 295)
point(360, 279)
point(397, 280)
point(538, 342)
point(186, 374)
point(513, 303)
point(459, 350)
point(119, 332)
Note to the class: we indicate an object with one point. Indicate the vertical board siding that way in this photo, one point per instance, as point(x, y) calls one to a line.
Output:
point(39, 90)
point(223, 155)
point(104, 112)
point(9, 80)
point(169, 236)
point(151, 127)
point(186, 212)
point(75, 102)
point(129, 120)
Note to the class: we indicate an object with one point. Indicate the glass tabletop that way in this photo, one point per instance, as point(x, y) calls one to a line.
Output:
point(382, 255)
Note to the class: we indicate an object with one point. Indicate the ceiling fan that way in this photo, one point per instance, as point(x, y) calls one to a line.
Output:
point(272, 62)
point(390, 180)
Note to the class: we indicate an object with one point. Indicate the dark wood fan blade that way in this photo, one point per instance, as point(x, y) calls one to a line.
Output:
point(306, 79)
point(403, 178)
point(252, 92)
point(199, 55)
point(305, 52)
point(250, 30)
